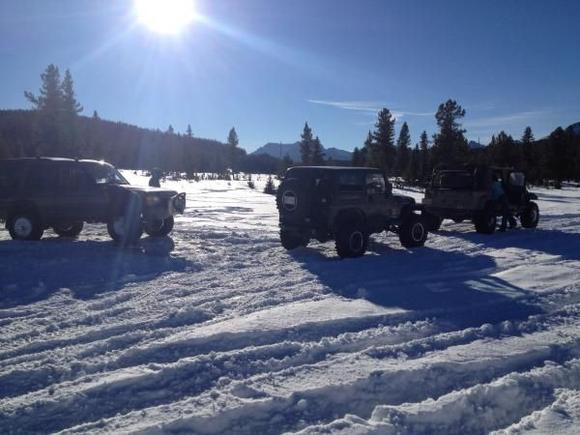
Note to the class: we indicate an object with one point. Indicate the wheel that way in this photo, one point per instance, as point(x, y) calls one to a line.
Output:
point(531, 216)
point(125, 231)
point(71, 229)
point(413, 232)
point(351, 241)
point(25, 225)
point(486, 221)
point(291, 240)
point(159, 227)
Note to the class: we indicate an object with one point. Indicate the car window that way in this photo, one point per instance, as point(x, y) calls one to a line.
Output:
point(517, 179)
point(72, 178)
point(105, 174)
point(351, 182)
point(454, 180)
point(376, 182)
point(40, 178)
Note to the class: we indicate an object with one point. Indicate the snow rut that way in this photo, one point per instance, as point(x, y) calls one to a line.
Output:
point(231, 334)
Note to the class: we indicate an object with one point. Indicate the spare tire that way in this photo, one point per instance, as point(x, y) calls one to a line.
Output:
point(413, 232)
point(294, 199)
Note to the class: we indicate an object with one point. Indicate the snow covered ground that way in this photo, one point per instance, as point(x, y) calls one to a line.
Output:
point(219, 330)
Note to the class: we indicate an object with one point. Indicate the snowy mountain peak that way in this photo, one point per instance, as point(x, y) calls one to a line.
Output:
point(280, 150)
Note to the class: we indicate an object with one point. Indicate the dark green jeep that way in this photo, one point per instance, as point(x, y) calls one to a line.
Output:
point(39, 193)
point(346, 205)
point(465, 194)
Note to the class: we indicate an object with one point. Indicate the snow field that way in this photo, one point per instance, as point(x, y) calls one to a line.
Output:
point(219, 330)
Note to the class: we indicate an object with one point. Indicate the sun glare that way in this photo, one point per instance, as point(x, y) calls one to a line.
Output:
point(169, 17)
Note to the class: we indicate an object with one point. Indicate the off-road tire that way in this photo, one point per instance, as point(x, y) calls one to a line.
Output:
point(72, 229)
point(351, 241)
point(127, 228)
point(291, 240)
point(486, 221)
point(530, 216)
point(25, 225)
point(413, 232)
point(159, 227)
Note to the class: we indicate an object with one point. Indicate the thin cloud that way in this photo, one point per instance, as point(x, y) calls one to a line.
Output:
point(506, 120)
point(372, 107)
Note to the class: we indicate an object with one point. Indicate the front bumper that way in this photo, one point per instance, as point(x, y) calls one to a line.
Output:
point(177, 203)
point(163, 209)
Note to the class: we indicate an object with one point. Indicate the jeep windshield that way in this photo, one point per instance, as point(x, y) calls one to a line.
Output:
point(454, 180)
point(106, 174)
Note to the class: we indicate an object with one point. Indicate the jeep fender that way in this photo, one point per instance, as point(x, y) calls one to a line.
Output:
point(20, 206)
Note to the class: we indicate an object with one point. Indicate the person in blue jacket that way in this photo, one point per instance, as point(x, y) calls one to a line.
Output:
point(499, 196)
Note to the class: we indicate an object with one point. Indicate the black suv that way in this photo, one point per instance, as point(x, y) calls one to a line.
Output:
point(38, 193)
point(346, 205)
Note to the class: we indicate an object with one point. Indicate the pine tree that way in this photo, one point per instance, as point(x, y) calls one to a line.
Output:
point(188, 131)
point(170, 130)
point(95, 115)
point(531, 160)
point(425, 162)
point(413, 171)
point(317, 153)
point(70, 104)
point(560, 156)
point(270, 188)
point(528, 136)
point(233, 142)
point(403, 151)
point(450, 146)
point(383, 149)
point(368, 149)
point(50, 98)
point(306, 145)
point(356, 159)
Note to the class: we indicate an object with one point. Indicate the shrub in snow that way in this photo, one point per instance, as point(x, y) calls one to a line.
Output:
point(270, 187)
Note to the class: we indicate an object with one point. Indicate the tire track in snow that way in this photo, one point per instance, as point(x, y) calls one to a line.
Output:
point(353, 383)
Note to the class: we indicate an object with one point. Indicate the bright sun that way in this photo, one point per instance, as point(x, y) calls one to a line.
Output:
point(165, 16)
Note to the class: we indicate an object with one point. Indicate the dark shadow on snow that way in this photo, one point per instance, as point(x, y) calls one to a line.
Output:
point(553, 242)
point(451, 286)
point(32, 271)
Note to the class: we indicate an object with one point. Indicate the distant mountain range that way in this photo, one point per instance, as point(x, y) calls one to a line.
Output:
point(280, 150)
point(575, 128)
point(473, 145)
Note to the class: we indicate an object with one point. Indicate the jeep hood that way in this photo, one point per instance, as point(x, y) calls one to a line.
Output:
point(146, 190)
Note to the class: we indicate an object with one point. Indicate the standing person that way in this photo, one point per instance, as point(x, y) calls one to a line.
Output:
point(499, 196)
point(154, 181)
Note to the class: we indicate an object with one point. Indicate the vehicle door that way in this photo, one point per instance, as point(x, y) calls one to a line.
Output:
point(80, 196)
point(38, 188)
point(378, 206)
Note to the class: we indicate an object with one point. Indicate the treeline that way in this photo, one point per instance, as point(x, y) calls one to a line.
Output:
point(54, 127)
point(549, 160)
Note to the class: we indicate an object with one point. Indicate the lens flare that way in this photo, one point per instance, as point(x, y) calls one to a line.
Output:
point(169, 17)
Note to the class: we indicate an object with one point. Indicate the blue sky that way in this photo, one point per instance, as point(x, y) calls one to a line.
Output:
point(267, 66)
